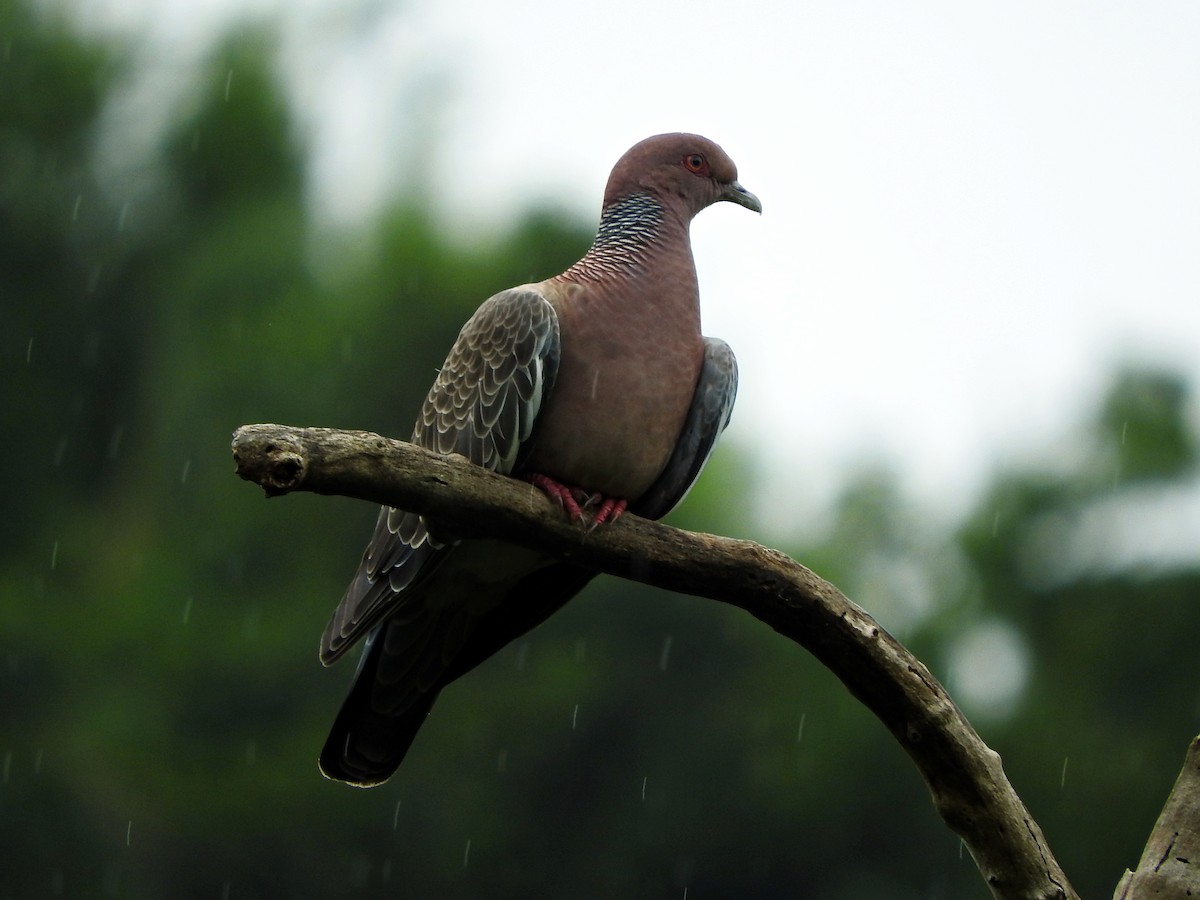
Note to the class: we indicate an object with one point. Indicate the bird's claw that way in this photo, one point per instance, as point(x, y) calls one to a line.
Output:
point(610, 510)
point(575, 500)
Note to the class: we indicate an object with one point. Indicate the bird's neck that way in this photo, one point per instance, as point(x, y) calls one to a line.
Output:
point(633, 232)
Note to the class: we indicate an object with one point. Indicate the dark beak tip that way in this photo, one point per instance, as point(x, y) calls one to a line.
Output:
point(735, 193)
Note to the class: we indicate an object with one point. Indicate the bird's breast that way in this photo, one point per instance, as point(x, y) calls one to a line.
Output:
point(626, 377)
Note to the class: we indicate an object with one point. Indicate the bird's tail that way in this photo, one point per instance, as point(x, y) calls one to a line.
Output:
point(368, 741)
point(406, 663)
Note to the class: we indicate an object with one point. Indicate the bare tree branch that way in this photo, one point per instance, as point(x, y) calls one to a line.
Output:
point(964, 776)
point(1170, 864)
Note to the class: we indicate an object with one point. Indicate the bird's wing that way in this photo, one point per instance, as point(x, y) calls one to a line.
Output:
point(712, 406)
point(482, 405)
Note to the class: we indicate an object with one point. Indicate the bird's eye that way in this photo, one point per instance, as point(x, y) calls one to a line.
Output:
point(694, 162)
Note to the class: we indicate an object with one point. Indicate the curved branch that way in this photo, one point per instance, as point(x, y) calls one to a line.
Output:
point(964, 776)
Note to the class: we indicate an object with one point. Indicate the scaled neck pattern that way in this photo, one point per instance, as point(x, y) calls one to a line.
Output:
point(625, 239)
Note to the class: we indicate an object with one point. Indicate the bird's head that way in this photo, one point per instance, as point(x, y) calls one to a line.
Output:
point(684, 169)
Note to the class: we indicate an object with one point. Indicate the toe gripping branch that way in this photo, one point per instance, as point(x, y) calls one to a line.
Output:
point(576, 500)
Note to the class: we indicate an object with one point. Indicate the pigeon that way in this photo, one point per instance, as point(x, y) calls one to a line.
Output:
point(597, 387)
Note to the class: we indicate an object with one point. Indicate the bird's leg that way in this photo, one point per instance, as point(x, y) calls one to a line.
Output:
point(575, 500)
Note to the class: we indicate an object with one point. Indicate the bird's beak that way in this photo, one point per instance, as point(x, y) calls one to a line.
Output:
point(735, 193)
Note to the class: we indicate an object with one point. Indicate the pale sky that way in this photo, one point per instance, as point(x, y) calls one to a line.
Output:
point(972, 211)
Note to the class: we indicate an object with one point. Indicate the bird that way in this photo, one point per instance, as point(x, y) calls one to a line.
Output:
point(597, 387)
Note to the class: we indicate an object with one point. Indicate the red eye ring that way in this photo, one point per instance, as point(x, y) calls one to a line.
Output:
point(696, 163)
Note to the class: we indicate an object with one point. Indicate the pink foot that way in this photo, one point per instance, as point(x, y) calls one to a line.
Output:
point(610, 510)
point(556, 490)
point(575, 500)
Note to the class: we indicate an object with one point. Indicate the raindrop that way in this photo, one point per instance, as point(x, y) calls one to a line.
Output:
point(800, 730)
point(75, 211)
point(228, 82)
point(467, 853)
point(114, 441)
point(89, 355)
point(595, 381)
point(123, 216)
point(685, 892)
point(396, 817)
point(94, 279)
point(29, 352)
point(187, 465)
point(644, 780)
point(574, 716)
point(129, 833)
point(187, 610)
point(1124, 430)
point(54, 557)
point(1062, 779)
point(665, 655)
point(250, 623)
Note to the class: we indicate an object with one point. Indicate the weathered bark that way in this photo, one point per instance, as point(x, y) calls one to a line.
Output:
point(1170, 864)
point(964, 776)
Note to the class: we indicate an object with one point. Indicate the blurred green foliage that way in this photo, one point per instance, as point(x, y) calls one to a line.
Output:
point(163, 705)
